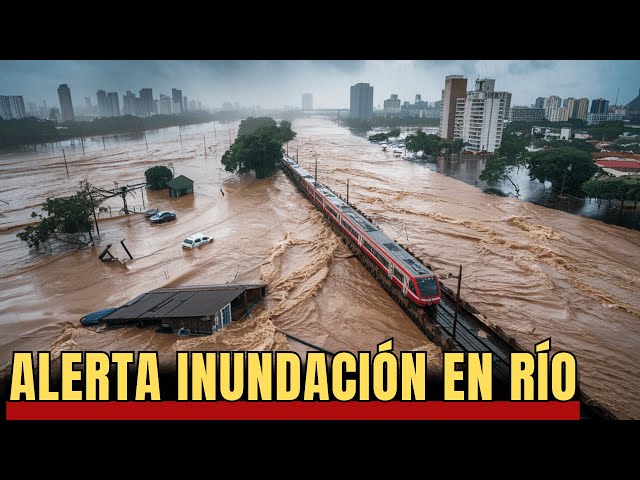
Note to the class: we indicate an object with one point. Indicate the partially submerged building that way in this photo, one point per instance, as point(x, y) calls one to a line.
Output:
point(179, 186)
point(201, 309)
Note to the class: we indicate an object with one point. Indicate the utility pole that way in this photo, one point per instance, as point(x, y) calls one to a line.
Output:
point(315, 180)
point(180, 132)
point(93, 208)
point(103, 145)
point(145, 140)
point(455, 316)
point(347, 190)
point(65, 163)
point(297, 155)
point(204, 139)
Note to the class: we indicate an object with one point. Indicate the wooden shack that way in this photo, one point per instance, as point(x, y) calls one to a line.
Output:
point(202, 309)
point(179, 186)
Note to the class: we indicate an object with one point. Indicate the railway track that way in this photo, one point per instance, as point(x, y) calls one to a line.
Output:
point(471, 334)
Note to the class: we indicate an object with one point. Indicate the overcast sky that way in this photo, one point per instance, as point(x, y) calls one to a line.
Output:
point(276, 83)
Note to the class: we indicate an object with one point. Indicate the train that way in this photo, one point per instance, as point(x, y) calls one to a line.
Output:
point(415, 281)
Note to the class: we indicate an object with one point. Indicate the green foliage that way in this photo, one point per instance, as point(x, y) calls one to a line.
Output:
point(157, 177)
point(606, 130)
point(65, 215)
point(31, 130)
point(285, 131)
point(511, 154)
point(613, 189)
point(382, 136)
point(432, 145)
point(568, 166)
point(251, 124)
point(260, 151)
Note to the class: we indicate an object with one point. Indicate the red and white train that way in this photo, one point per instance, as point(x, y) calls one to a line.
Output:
point(417, 282)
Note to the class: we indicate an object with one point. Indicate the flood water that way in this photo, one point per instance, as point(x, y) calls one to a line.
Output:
point(534, 271)
point(467, 168)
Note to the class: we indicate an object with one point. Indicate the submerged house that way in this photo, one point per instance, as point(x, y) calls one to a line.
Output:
point(201, 309)
point(179, 186)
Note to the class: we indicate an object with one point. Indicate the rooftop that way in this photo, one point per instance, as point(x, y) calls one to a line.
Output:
point(183, 302)
point(180, 182)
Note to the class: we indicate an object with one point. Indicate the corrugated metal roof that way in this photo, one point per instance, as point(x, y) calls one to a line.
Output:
point(180, 182)
point(184, 302)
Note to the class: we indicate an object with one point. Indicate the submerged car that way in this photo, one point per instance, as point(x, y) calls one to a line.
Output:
point(196, 240)
point(151, 212)
point(95, 318)
point(162, 217)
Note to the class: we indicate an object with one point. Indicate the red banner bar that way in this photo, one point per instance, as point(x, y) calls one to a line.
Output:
point(165, 410)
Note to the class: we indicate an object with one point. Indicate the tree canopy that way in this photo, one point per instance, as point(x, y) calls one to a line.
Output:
point(568, 166)
point(511, 154)
point(383, 136)
point(251, 124)
point(613, 189)
point(65, 215)
point(157, 177)
point(260, 151)
point(432, 145)
point(32, 130)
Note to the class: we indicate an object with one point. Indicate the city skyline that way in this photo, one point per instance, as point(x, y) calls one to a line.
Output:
point(274, 83)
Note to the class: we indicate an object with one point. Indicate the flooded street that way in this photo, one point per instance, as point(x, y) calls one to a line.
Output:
point(535, 272)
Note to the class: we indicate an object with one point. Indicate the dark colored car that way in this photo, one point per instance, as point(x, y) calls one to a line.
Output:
point(94, 318)
point(151, 212)
point(162, 217)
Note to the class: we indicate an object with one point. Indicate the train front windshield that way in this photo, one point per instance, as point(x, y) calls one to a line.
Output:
point(428, 287)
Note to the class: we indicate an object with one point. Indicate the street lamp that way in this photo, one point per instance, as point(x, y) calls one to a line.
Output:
point(563, 179)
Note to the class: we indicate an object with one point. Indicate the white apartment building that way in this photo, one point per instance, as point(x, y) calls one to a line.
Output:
point(480, 117)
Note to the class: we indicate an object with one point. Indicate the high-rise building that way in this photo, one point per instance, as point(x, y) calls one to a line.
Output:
point(185, 104)
point(176, 96)
point(455, 87)
point(164, 107)
point(540, 102)
point(139, 107)
point(307, 101)
point(599, 105)
point(5, 109)
point(155, 106)
point(572, 107)
point(582, 108)
point(146, 94)
point(361, 101)
point(32, 110)
point(199, 105)
point(526, 114)
point(66, 105)
point(393, 104)
point(480, 116)
point(12, 106)
point(104, 107)
point(192, 105)
point(551, 106)
point(128, 103)
point(114, 103)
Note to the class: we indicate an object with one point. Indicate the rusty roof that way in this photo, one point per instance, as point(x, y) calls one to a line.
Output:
point(182, 302)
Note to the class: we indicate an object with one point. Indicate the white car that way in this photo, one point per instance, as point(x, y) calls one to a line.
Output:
point(196, 240)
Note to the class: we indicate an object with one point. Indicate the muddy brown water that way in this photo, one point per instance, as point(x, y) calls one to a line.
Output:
point(534, 271)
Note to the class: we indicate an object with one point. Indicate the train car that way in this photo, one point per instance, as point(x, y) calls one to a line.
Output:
point(416, 282)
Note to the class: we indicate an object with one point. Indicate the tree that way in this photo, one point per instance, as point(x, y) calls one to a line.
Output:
point(157, 177)
point(251, 124)
point(421, 142)
point(65, 215)
point(500, 166)
point(622, 189)
point(567, 166)
point(260, 151)
point(285, 131)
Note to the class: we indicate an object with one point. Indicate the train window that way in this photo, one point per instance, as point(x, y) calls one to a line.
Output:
point(381, 259)
point(398, 275)
point(411, 287)
point(428, 286)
